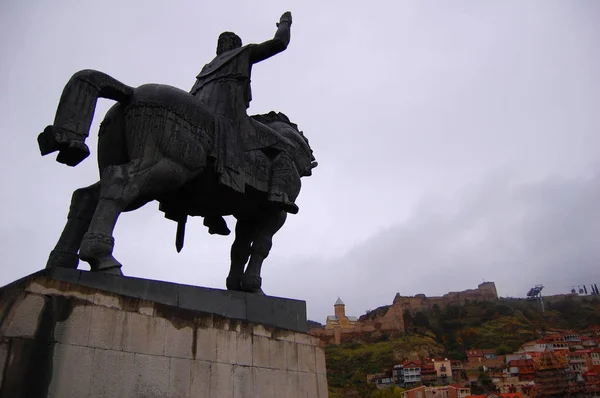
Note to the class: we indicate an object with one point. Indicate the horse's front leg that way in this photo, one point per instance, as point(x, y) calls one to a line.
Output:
point(261, 246)
point(240, 252)
point(83, 205)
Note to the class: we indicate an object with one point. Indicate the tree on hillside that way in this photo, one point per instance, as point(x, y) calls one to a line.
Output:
point(408, 320)
point(420, 320)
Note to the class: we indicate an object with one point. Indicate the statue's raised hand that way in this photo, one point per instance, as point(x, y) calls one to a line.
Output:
point(286, 17)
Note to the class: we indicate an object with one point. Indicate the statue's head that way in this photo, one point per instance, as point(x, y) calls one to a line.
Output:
point(228, 41)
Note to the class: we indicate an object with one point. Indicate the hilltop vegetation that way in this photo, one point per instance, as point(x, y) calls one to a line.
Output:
point(503, 325)
point(348, 365)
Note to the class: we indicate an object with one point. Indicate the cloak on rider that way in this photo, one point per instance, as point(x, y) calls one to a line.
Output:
point(224, 86)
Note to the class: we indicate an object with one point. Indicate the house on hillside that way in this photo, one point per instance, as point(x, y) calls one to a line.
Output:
point(595, 356)
point(457, 370)
point(522, 368)
point(572, 337)
point(536, 348)
point(588, 343)
point(486, 357)
point(512, 357)
point(558, 341)
point(591, 331)
point(398, 374)
point(382, 382)
point(580, 361)
point(451, 391)
point(552, 375)
point(443, 368)
point(428, 373)
point(411, 373)
point(592, 382)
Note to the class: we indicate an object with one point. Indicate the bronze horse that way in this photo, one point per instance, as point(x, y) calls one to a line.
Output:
point(155, 144)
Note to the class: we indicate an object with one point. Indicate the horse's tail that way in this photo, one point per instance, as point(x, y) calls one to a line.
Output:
point(75, 113)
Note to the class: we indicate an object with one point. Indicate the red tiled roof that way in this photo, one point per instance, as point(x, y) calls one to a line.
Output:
point(521, 362)
point(593, 327)
point(541, 341)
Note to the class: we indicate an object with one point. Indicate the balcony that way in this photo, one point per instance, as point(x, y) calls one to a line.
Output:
point(412, 378)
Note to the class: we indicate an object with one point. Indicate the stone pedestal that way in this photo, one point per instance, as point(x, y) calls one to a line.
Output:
point(67, 333)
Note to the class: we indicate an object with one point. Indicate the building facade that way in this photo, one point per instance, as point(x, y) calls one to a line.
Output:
point(340, 319)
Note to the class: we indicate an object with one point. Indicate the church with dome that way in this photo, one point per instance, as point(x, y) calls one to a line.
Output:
point(340, 320)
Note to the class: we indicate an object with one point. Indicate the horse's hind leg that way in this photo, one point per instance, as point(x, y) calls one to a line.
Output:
point(83, 205)
point(261, 246)
point(120, 186)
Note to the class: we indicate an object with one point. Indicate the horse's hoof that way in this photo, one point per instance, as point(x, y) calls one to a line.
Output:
point(71, 148)
point(62, 259)
point(234, 283)
point(74, 154)
point(251, 284)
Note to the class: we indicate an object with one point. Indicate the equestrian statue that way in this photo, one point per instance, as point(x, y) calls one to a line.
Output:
point(196, 153)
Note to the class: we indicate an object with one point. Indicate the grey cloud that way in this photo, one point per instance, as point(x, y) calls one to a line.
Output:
point(513, 232)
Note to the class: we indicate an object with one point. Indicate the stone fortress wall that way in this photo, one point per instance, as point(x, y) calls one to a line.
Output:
point(486, 291)
point(393, 320)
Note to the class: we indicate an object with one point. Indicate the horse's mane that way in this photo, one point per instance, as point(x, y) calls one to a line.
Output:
point(268, 118)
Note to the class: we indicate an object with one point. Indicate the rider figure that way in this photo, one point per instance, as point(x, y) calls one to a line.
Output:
point(224, 86)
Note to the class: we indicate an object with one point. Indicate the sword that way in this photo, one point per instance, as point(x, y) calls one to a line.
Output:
point(179, 238)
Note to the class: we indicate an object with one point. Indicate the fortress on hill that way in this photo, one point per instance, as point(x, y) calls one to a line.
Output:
point(392, 319)
point(486, 291)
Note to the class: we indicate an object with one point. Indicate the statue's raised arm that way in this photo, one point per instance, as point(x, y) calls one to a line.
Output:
point(277, 44)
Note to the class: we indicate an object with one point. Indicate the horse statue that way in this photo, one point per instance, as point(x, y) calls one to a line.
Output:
point(160, 143)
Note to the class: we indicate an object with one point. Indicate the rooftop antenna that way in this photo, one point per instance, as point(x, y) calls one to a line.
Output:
point(535, 293)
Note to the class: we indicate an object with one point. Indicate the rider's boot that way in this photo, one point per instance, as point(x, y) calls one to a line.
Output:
point(216, 225)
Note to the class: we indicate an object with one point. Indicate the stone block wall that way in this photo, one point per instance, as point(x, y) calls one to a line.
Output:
point(59, 339)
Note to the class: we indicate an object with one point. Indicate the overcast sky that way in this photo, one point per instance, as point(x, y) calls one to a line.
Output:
point(458, 141)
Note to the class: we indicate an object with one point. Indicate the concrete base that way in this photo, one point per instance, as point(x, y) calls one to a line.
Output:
point(66, 339)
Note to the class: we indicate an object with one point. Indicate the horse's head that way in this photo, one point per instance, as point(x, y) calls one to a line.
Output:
point(303, 156)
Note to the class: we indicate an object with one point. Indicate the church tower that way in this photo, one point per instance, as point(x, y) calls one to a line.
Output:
point(340, 320)
point(340, 308)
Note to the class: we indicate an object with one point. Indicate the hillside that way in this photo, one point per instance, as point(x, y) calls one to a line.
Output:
point(503, 325)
